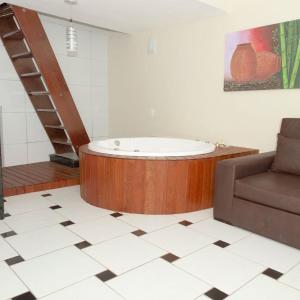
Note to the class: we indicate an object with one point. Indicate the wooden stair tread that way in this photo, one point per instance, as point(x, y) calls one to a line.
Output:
point(61, 141)
point(55, 126)
point(39, 93)
point(6, 15)
point(50, 110)
point(21, 55)
point(31, 75)
point(15, 35)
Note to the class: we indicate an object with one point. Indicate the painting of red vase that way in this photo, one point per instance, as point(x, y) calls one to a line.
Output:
point(263, 58)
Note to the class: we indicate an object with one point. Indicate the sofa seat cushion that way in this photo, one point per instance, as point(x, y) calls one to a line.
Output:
point(277, 190)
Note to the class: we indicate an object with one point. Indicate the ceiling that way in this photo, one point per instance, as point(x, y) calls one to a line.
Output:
point(130, 15)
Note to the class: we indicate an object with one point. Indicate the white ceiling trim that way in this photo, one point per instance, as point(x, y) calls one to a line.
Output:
point(130, 15)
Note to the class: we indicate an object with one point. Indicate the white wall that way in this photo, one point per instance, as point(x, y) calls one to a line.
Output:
point(24, 138)
point(183, 82)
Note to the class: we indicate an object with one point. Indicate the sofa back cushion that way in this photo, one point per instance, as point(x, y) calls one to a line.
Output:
point(287, 158)
point(290, 128)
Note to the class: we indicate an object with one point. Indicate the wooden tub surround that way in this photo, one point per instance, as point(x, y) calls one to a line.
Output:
point(149, 185)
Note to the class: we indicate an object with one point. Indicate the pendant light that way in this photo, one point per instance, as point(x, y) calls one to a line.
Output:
point(71, 33)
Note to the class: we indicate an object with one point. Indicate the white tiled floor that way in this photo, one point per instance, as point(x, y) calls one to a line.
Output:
point(178, 239)
point(35, 219)
point(25, 203)
point(150, 223)
point(10, 284)
point(221, 269)
point(292, 277)
point(42, 241)
point(100, 229)
point(266, 252)
point(95, 255)
point(265, 288)
point(81, 212)
point(49, 273)
point(124, 253)
point(197, 216)
point(6, 251)
point(89, 289)
point(3, 227)
point(220, 230)
point(158, 280)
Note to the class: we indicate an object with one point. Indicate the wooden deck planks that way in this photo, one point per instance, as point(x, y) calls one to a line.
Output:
point(38, 177)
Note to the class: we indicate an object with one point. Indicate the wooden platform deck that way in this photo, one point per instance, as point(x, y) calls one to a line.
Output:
point(38, 177)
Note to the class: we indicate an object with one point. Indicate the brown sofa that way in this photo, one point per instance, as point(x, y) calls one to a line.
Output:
point(250, 195)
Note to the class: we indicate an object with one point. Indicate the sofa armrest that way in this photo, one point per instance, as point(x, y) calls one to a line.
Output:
point(228, 171)
point(248, 165)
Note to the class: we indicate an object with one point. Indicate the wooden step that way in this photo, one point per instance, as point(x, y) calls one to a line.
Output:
point(31, 75)
point(21, 55)
point(39, 93)
point(69, 159)
point(55, 126)
point(6, 15)
point(49, 110)
point(14, 35)
point(61, 141)
point(70, 155)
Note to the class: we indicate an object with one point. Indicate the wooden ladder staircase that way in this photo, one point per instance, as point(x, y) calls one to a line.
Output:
point(28, 47)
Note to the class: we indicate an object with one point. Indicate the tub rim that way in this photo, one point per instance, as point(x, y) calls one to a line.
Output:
point(218, 151)
point(122, 154)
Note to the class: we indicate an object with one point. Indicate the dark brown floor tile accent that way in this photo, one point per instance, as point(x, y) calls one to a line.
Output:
point(14, 260)
point(106, 275)
point(46, 195)
point(8, 234)
point(67, 223)
point(82, 245)
point(55, 207)
point(272, 273)
point(216, 294)
point(116, 215)
point(221, 244)
point(6, 215)
point(169, 257)
point(185, 223)
point(26, 296)
point(139, 232)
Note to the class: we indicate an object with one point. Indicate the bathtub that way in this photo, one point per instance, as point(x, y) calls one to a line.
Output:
point(151, 147)
point(150, 175)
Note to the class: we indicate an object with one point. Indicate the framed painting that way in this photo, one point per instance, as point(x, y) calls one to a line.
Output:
point(263, 58)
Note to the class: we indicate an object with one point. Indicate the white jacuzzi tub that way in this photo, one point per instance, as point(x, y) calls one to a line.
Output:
point(151, 146)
